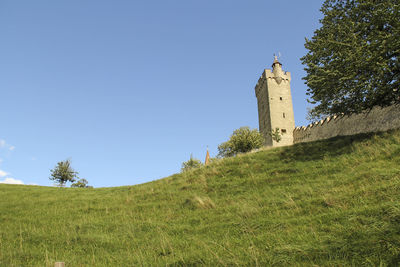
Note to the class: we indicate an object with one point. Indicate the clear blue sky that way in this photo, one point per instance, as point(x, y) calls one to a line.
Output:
point(129, 89)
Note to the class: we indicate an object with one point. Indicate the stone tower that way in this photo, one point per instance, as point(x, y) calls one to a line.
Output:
point(275, 108)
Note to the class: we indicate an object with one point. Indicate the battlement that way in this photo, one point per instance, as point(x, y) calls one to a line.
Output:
point(321, 122)
point(269, 74)
point(375, 120)
point(275, 110)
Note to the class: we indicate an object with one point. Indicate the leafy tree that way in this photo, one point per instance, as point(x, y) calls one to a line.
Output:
point(191, 164)
point(63, 173)
point(81, 183)
point(276, 135)
point(352, 62)
point(242, 140)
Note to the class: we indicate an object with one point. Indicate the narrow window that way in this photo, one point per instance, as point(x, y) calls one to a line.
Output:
point(283, 131)
point(280, 98)
point(284, 115)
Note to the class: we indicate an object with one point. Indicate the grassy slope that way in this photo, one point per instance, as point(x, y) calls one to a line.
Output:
point(332, 202)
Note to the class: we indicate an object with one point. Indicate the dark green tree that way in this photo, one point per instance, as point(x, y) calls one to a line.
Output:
point(242, 140)
point(63, 173)
point(191, 164)
point(352, 62)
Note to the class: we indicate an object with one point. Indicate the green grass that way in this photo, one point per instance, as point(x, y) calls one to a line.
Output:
point(327, 203)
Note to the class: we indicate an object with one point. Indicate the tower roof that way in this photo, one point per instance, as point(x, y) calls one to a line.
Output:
point(276, 62)
point(207, 158)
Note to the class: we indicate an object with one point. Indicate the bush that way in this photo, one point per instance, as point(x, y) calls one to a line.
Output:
point(192, 163)
point(241, 141)
point(81, 183)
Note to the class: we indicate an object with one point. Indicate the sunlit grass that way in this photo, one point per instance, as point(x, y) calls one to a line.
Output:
point(326, 203)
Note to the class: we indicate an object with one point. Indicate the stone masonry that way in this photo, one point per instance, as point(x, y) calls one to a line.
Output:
point(375, 120)
point(275, 108)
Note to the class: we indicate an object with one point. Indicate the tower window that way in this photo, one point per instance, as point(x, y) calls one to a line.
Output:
point(283, 131)
point(284, 115)
point(280, 98)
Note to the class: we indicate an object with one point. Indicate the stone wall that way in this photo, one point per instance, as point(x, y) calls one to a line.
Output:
point(378, 119)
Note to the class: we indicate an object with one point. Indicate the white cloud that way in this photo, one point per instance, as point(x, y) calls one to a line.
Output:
point(11, 181)
point(4, 144)
point(3, 173)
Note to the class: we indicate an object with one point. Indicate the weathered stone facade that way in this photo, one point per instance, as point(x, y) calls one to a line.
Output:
point(275, 108)
point(375, 120)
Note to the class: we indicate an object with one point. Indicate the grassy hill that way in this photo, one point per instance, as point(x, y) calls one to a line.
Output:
point(328, 203)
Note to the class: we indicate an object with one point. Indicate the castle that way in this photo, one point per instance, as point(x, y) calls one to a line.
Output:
point(275, 110)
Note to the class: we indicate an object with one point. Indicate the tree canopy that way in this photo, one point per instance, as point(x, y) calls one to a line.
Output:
point(352, 62)
point(63, 173)
point(242, 140)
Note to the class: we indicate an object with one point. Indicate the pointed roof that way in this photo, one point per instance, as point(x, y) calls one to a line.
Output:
point(207, 158)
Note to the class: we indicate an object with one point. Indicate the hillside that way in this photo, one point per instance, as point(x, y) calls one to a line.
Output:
point(327, 203)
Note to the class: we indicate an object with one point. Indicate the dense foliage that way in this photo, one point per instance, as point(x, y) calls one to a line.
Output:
point(352, 62)
point(242, 140)
point(63, 173)
point(191, 164)
point(81, 183)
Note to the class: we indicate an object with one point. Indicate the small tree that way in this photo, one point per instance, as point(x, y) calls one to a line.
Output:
point(192, 163)
point(63, 173)
point(276, 135)
point(81, 183)
point(242, 140)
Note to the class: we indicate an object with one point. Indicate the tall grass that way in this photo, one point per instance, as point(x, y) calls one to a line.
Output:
point(327, 203)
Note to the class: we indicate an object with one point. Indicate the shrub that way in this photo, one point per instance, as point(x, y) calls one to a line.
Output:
point(192, 163)
point(242, 140)
point(81, 183)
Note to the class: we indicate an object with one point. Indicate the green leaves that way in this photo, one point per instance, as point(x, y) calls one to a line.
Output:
point(83, 183)
point(276, 135)
point(352, 62)
point(242, 140)
point(191, 164)
point(63, 173)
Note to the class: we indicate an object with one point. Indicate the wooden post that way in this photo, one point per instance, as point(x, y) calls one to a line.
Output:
point(59, 264)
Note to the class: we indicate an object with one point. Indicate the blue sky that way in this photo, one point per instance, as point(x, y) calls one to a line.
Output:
point(129, 89)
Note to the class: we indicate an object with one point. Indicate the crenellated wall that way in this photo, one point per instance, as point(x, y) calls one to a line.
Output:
point(378, 119)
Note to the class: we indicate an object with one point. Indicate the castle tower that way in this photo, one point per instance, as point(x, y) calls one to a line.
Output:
point(275, 108)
